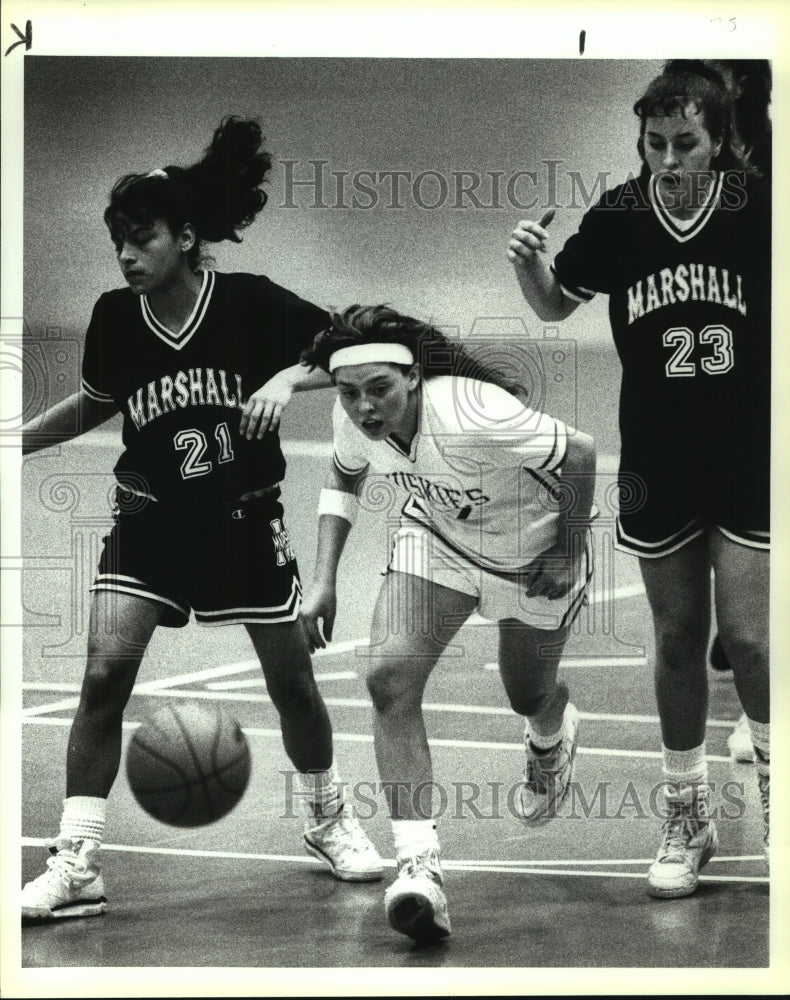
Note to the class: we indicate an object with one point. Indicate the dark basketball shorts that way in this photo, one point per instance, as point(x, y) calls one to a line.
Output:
point(664, 508)
point(229, 563)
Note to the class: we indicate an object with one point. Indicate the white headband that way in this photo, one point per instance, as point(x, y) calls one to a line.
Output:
point(158, 173)
point(365, 354)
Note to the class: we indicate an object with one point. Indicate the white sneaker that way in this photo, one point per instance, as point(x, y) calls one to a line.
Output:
point(72, 885)
point(414, 903)
point(342, 844)
point(740, 742)
point(688, 843)
point(548, 775)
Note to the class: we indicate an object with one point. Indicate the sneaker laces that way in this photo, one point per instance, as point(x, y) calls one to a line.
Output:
point(538, 773)
point(62, 865)
point(679, 828)
point(344, 830)
point(426, 864)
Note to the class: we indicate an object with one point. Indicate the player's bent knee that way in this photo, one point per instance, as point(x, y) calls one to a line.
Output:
point(393, 687)
point(528, 704)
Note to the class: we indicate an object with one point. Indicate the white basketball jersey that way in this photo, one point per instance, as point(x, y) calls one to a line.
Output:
point(479, 474)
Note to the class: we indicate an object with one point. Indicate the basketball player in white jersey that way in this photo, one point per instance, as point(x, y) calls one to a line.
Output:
point(486, 526)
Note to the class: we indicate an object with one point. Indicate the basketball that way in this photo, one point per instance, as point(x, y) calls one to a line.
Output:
point(188, 764)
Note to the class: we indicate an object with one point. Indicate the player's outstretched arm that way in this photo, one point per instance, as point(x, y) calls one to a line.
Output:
point(337, 510)
point(58, 423)
point(527, 253)
point(265, 406)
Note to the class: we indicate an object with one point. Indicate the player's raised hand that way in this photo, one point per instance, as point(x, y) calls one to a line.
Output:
point(265, 406)
point(529, 238)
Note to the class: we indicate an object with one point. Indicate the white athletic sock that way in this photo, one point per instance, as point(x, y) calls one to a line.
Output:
point(543, 743)
point(761, 738)
point(320, 796)
point(685, 767)
point(83, 818)
point(414, 836)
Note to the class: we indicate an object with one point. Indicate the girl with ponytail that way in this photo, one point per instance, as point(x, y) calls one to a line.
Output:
point(199, 527)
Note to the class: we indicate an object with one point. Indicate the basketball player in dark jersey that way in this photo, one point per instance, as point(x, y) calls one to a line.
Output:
point(683, 252)
point(200, 364)
point(749, 82)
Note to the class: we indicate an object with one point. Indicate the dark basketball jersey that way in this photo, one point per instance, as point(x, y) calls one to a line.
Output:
point(182, 395)
point(690, 312)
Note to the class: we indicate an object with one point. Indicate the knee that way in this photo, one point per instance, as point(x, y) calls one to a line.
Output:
point(533, 702)
point(106, 685)
point(746, 650)
point(295, 692)
point(680, 640)
point(392, 689)
point(528, 705)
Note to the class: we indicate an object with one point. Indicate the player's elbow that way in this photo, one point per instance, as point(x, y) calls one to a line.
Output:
point(549, 310)
point(582, 452)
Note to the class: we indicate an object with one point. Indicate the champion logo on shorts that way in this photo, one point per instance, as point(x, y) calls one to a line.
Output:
point(237, 515)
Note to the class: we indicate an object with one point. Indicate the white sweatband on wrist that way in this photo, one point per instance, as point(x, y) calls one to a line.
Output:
point(339, 503)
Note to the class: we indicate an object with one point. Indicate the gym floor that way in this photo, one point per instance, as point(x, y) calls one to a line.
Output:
point(240, 894)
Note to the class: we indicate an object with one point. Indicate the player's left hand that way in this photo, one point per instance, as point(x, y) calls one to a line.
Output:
point(552, 574)
point(319, 608)
point(265, 406)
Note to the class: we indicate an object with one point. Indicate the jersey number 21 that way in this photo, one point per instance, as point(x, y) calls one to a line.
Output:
point(194, 442)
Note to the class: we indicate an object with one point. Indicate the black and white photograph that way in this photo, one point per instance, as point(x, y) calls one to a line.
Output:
point(390, 432)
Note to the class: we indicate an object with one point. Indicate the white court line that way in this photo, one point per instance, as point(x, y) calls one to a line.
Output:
point(455, 744)
point(233, 668)
point(593, 874)
point(152, 687)
point(610, 861)
point(590, 661)
point(149, 687)
point(631, 590)
point(252, 682)
point(218, 692)
point(470, 866)
point(52, 706)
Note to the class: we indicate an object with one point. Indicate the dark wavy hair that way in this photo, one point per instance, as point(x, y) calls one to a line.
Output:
point(693, 84)
point(218, 195)
point(433, 350)
point(753, 80)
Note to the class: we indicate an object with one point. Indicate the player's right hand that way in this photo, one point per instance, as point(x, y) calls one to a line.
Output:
point(265, 406)
point(318, 617)
point(529, 238)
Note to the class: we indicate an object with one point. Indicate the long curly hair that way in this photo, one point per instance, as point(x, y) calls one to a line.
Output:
point(219, 195)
